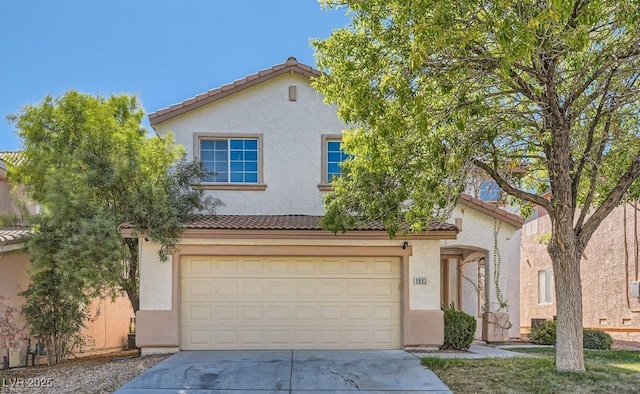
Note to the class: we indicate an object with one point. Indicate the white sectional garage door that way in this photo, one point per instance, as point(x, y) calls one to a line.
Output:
point(290, 303)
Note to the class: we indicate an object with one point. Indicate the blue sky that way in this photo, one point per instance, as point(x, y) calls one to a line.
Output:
point(163, 51)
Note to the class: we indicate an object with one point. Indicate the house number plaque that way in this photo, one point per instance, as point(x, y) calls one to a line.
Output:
point(419, 280)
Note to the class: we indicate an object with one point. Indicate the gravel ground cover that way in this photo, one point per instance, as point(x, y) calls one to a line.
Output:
point(95, 374)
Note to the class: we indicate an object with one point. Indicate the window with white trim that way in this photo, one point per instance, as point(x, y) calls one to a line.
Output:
point(545, 286)
point(531, 224)
point(230, 160)
point(335, 157)
point(332, 158)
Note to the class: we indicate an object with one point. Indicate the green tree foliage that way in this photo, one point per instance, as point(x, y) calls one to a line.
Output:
point(539, 95)
point(91, 166)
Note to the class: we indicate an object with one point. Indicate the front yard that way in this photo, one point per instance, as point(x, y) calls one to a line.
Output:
point(615, 371)
point(95, 374)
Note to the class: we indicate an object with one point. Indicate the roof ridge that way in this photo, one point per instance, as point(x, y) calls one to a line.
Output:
point(227, 89)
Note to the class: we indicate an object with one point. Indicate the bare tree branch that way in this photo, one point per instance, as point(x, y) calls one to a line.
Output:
point(614, 199)
point(504, 185)
point(594, 124)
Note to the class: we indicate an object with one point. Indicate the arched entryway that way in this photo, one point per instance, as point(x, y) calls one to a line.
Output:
point(463, 278)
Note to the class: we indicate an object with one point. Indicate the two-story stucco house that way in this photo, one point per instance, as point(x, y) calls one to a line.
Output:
point(263, 274)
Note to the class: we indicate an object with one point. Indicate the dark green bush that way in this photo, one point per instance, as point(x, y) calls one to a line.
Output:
point(544, 333)
point(596, 339)
point(459, 329)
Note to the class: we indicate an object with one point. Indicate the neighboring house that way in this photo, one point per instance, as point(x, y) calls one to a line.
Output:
point(264, 275)
point(13, 200)
point(609, 266)
point(108, 332)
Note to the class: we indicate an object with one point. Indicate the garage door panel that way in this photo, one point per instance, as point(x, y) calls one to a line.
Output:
point(290, 302)
point(289, 289)
point(197, 289)
point(384, 268)
point(326, 315)
point(200, 338)
point(294, 290)
point(289, 338)
point(265, 267)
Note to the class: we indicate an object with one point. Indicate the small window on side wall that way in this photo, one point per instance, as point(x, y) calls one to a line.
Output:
point(545, 286)
point(332, 158)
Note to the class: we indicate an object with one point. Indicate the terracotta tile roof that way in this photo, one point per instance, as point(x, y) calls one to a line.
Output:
point(491, 210)
point(291, 65)
point(279, 222)
point(13, 236)
point(12, 158)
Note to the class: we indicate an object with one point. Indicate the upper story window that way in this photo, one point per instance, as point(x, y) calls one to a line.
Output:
point(232, 162)
point(531, 224)
point(335, 156)
point(332, 158)
point(489, 191)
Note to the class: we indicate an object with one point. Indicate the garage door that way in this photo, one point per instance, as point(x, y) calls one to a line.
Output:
point(290, 303)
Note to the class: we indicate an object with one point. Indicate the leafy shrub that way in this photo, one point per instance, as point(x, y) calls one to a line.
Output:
point(544, 333)
point(596, 339)
point(459, 329)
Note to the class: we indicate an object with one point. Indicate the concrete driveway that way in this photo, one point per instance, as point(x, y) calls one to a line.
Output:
point(286, 371)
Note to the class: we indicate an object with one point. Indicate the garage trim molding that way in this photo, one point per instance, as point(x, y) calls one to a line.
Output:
point(162, 328)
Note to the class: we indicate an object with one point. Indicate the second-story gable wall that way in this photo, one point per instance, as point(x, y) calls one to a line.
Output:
point(291, 137)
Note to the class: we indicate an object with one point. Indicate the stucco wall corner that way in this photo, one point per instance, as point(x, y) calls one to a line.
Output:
point(423, 328)
point(157, 329)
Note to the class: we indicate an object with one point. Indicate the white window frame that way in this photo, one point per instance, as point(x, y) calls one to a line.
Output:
point(259, 185)
point(545, 286)
point(324, 184)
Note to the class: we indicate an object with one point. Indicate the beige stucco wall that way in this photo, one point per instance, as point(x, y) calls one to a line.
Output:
point(424, 261)
point(604, 271)
point(14, 278)
point(155, 294)
point(107, 333)
point(292, 142)
point(479, 233)
point(156, 280)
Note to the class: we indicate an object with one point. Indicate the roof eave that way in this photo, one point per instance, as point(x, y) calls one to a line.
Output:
point(302, 234)
point(491, 210)
point(315, 234)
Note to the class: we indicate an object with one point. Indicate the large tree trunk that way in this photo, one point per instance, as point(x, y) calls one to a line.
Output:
point(565, 254)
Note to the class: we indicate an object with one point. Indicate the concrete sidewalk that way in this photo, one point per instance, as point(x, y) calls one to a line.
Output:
point(478, 350)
